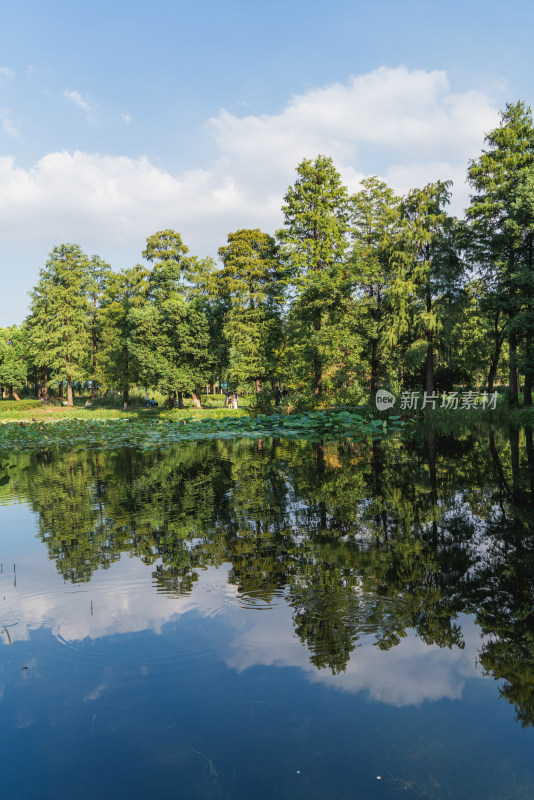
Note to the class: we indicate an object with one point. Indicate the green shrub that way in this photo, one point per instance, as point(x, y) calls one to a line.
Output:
point(262, 402)
point(297, 402)
point(19, 405)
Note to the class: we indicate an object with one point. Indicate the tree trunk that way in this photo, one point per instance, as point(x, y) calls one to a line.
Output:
point(11, 392)
point(70, 401)
point(171, 400)
point(374, 369)
point(15, 395)
point(513, 377)
point(530, 456)
point(258, 385)
point(180, 399)
point(317, 366)
point(527, 391)
point(125, 397)
point(494, 361)
point(429, 381)
point(196, 401)
point(429, 368)
point(60, 390)
point(214, 388)
point(527, 398)
point(491, 377)
point(45, 387)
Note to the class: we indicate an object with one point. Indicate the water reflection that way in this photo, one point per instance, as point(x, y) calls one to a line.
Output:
point(349, 542)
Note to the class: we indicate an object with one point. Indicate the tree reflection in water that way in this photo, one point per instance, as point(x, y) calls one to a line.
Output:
point(372, 538)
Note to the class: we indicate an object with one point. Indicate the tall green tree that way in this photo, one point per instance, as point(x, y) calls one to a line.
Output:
point(495, 177)
point(375, 221)
point(36, 344)
point(520, 226)
point(170, 346)
point(314, 245)
point(428, 269)
point(13, 360)
point(59, 314)
point(171, 337)
point(175, 270)
point(471, 340)
point(126, 292)
point(168, 255)
point(98, 276)
point(250, 282)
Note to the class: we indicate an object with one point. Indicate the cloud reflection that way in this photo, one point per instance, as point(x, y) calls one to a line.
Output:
point(124, 600)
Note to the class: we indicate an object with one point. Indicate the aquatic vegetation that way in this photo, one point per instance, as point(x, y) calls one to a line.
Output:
point(78, 434)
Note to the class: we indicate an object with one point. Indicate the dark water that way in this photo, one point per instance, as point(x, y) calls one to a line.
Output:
point(270, 619)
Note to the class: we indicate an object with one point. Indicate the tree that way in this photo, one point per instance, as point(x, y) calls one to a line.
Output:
point(173, 269)
point(520, 226)
point(13, 365)
point(471, 340)
point(428, 268)
point(166, 251)
point(59, 314)
point(314, 242)
point(98, 275)
point(170, 345)
point(250, 284)
point(37, 351)
point(125, 292)
point(171, 337)
point(495, 177)
point(375, 220)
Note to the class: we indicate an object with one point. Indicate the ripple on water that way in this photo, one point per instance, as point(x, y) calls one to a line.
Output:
point(116, 622)
point(13, 499)
point(260, 600)
point(369, 614)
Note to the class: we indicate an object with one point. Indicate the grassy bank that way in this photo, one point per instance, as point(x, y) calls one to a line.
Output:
point(28, 410)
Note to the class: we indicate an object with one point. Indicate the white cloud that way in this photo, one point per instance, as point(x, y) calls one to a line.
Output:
point(407, 127)
point(8, 126)
point(73, 195)
point(126, 118)
point(6, 73)
point(77, 99)
point(391, 122)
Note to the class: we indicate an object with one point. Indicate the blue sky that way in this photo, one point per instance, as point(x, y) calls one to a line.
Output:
point(120, 119)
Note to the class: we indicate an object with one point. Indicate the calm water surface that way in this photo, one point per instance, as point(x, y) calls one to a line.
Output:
point(267, 620)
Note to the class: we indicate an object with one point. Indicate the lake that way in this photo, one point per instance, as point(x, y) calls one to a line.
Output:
point(270, 619)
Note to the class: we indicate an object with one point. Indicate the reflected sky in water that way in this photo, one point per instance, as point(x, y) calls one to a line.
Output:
point(269, 620)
